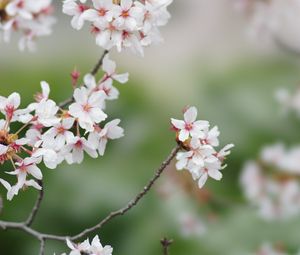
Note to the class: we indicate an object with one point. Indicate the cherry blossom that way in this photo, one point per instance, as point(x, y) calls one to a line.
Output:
point(75, 149)
point(88, 108)
point(110, 131)
point(51, 135)
point(124, 24)
point(94, 248)
point(189, 127)
point(198, 141)
point(270, 183)
point(70, 7)
point(32, 18)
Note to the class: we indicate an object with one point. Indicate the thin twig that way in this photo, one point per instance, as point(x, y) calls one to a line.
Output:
point(94, 71)
point(37, 205)
point(134, 201)
point(99, 64)
point(42, 247)
point(166, 243)
point(23, 227)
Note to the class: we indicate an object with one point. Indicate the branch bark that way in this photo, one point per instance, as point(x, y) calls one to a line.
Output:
point(37, 206)
point(134, 201)
point(43, 237)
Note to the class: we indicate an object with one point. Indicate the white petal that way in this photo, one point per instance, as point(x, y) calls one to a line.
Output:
point(202, 180)
point(215, 174)
point(190, 115)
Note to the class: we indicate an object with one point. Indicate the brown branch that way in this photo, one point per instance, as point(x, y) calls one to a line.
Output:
point(99, 64)
point(37, 205)
point(94, 71)
point(166, 243)
point(134, 201)
point(41, 236)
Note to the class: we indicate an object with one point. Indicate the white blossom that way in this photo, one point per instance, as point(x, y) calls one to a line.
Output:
point(199, 157)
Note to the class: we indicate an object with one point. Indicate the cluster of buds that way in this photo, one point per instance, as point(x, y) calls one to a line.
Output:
point(121, 24)
point(271, 183)
point(87, 248)
point(199, 157)
point(51, 134)
point(32, 18)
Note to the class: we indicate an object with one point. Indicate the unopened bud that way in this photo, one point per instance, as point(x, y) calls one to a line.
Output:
point(75, 76)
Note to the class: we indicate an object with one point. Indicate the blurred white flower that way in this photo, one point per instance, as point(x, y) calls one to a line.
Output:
point(32, 18)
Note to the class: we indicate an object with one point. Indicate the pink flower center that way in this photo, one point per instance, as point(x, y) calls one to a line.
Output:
point(125, 14)
point(20, 4)
point(82, 8)
point(188, 126)
point(102, 12)
point(86, 107)
point(9, 109)
point(95, 30)
point(125, 35)
point(60, 130)
point(78, 144)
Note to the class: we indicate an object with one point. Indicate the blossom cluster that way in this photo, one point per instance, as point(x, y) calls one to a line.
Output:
point(199, 157)
point(32, 18)
point(272, 21)
point(93, 248)
point(271, 183)
point(120, 23)
point(51, 134)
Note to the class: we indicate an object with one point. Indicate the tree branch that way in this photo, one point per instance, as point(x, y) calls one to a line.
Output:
point(37, 205)
point(99, 64)
point(42, 248)
point(41, 236)
point(134, 201)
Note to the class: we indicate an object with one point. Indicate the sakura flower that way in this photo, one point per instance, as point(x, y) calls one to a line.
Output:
point(211, 169)
point(74, 150)
point(109, 67)
point(101, 14)
point(270, 184)
point(78, 249)
point(32, 18)
point(97, 248)
point(9, 105)
point(25, 167)
point(49, 156)
point(70, 7)
point(124, 24)
point(59, 134)
point(127, 15)
point(19, 7)
point(189, 127)
point(46, 113)
point(88, 108)
point(44, 95)
point(110, 131)
point(199, 157)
